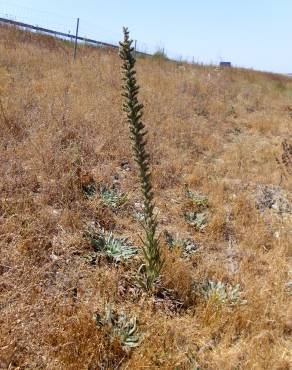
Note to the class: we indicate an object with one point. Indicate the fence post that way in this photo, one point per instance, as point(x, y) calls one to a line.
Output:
point(76, 38)
point(135, 47)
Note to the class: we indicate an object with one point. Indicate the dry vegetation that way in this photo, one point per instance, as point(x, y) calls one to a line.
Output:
point(224, 134)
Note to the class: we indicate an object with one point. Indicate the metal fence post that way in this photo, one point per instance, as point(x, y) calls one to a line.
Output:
point(76, 38)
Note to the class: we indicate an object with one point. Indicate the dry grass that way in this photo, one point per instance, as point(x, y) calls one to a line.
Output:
point(218, 132)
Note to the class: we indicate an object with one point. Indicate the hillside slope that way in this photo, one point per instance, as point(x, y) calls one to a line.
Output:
point(220, 144)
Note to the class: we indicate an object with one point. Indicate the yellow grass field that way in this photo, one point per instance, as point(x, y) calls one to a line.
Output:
point(220, 144)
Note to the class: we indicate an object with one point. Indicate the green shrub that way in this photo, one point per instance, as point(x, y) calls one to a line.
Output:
point(197, 219)
point(116, 249)
point(222, 292)
point(112, 197)
point(160, 54)
point(187, 246)
point(118, 325)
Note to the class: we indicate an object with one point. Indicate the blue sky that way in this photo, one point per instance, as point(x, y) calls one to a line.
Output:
point(249, 33)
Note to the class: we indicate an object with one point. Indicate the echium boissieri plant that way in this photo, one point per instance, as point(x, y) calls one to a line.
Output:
point(134, 112)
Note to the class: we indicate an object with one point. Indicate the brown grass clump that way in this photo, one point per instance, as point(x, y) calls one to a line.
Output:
point(224, 135)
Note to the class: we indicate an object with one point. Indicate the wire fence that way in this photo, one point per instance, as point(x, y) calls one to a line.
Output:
point(63, 35)
point(64, 27)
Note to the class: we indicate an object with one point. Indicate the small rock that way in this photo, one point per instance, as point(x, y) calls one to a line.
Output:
point(54, 257)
